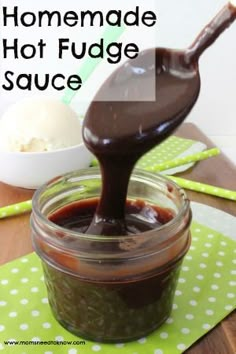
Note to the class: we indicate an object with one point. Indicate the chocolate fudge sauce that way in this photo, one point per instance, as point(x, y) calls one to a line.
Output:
point(113, 299)
point(120, 132)
point(140, 216)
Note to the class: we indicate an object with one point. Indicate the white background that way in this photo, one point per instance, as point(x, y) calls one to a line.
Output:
point(178, 24)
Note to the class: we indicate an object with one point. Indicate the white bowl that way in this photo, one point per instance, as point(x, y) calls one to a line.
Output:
point(32, 169)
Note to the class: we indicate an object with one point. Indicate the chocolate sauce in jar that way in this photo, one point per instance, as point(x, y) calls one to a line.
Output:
point(113, 289)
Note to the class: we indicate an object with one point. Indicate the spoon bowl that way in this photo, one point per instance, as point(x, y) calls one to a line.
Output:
point(141, 124)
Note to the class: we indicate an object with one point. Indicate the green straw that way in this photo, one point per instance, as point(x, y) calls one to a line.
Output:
point(180, 161)
point(87, 68)
point(16, 209)
point(204, 188)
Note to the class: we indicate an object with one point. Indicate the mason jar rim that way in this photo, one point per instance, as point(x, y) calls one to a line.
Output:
point(76, 235)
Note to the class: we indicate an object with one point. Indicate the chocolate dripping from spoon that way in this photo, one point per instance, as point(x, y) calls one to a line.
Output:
point(142, 125)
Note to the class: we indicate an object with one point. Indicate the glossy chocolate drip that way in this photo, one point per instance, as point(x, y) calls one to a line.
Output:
point(120, 132)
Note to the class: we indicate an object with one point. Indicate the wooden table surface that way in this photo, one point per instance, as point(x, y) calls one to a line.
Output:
point(15, 232)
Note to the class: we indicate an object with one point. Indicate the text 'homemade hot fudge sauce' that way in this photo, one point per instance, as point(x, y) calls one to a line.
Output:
point(112, 244)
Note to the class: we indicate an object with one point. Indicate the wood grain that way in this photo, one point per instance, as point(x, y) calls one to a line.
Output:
point(219, 171)
point(14, 232)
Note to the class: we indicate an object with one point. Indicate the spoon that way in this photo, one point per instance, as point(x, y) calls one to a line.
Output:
point(123, 122)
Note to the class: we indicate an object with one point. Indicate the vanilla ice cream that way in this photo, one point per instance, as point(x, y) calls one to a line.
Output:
point(39, 124)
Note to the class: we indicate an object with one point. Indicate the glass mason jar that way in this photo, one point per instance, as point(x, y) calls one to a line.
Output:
point(105, 288)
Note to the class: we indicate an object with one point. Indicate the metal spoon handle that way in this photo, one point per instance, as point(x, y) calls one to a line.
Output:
point(211, 32)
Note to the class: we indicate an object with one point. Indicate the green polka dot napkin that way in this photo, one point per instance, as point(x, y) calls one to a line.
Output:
point(204, 296)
